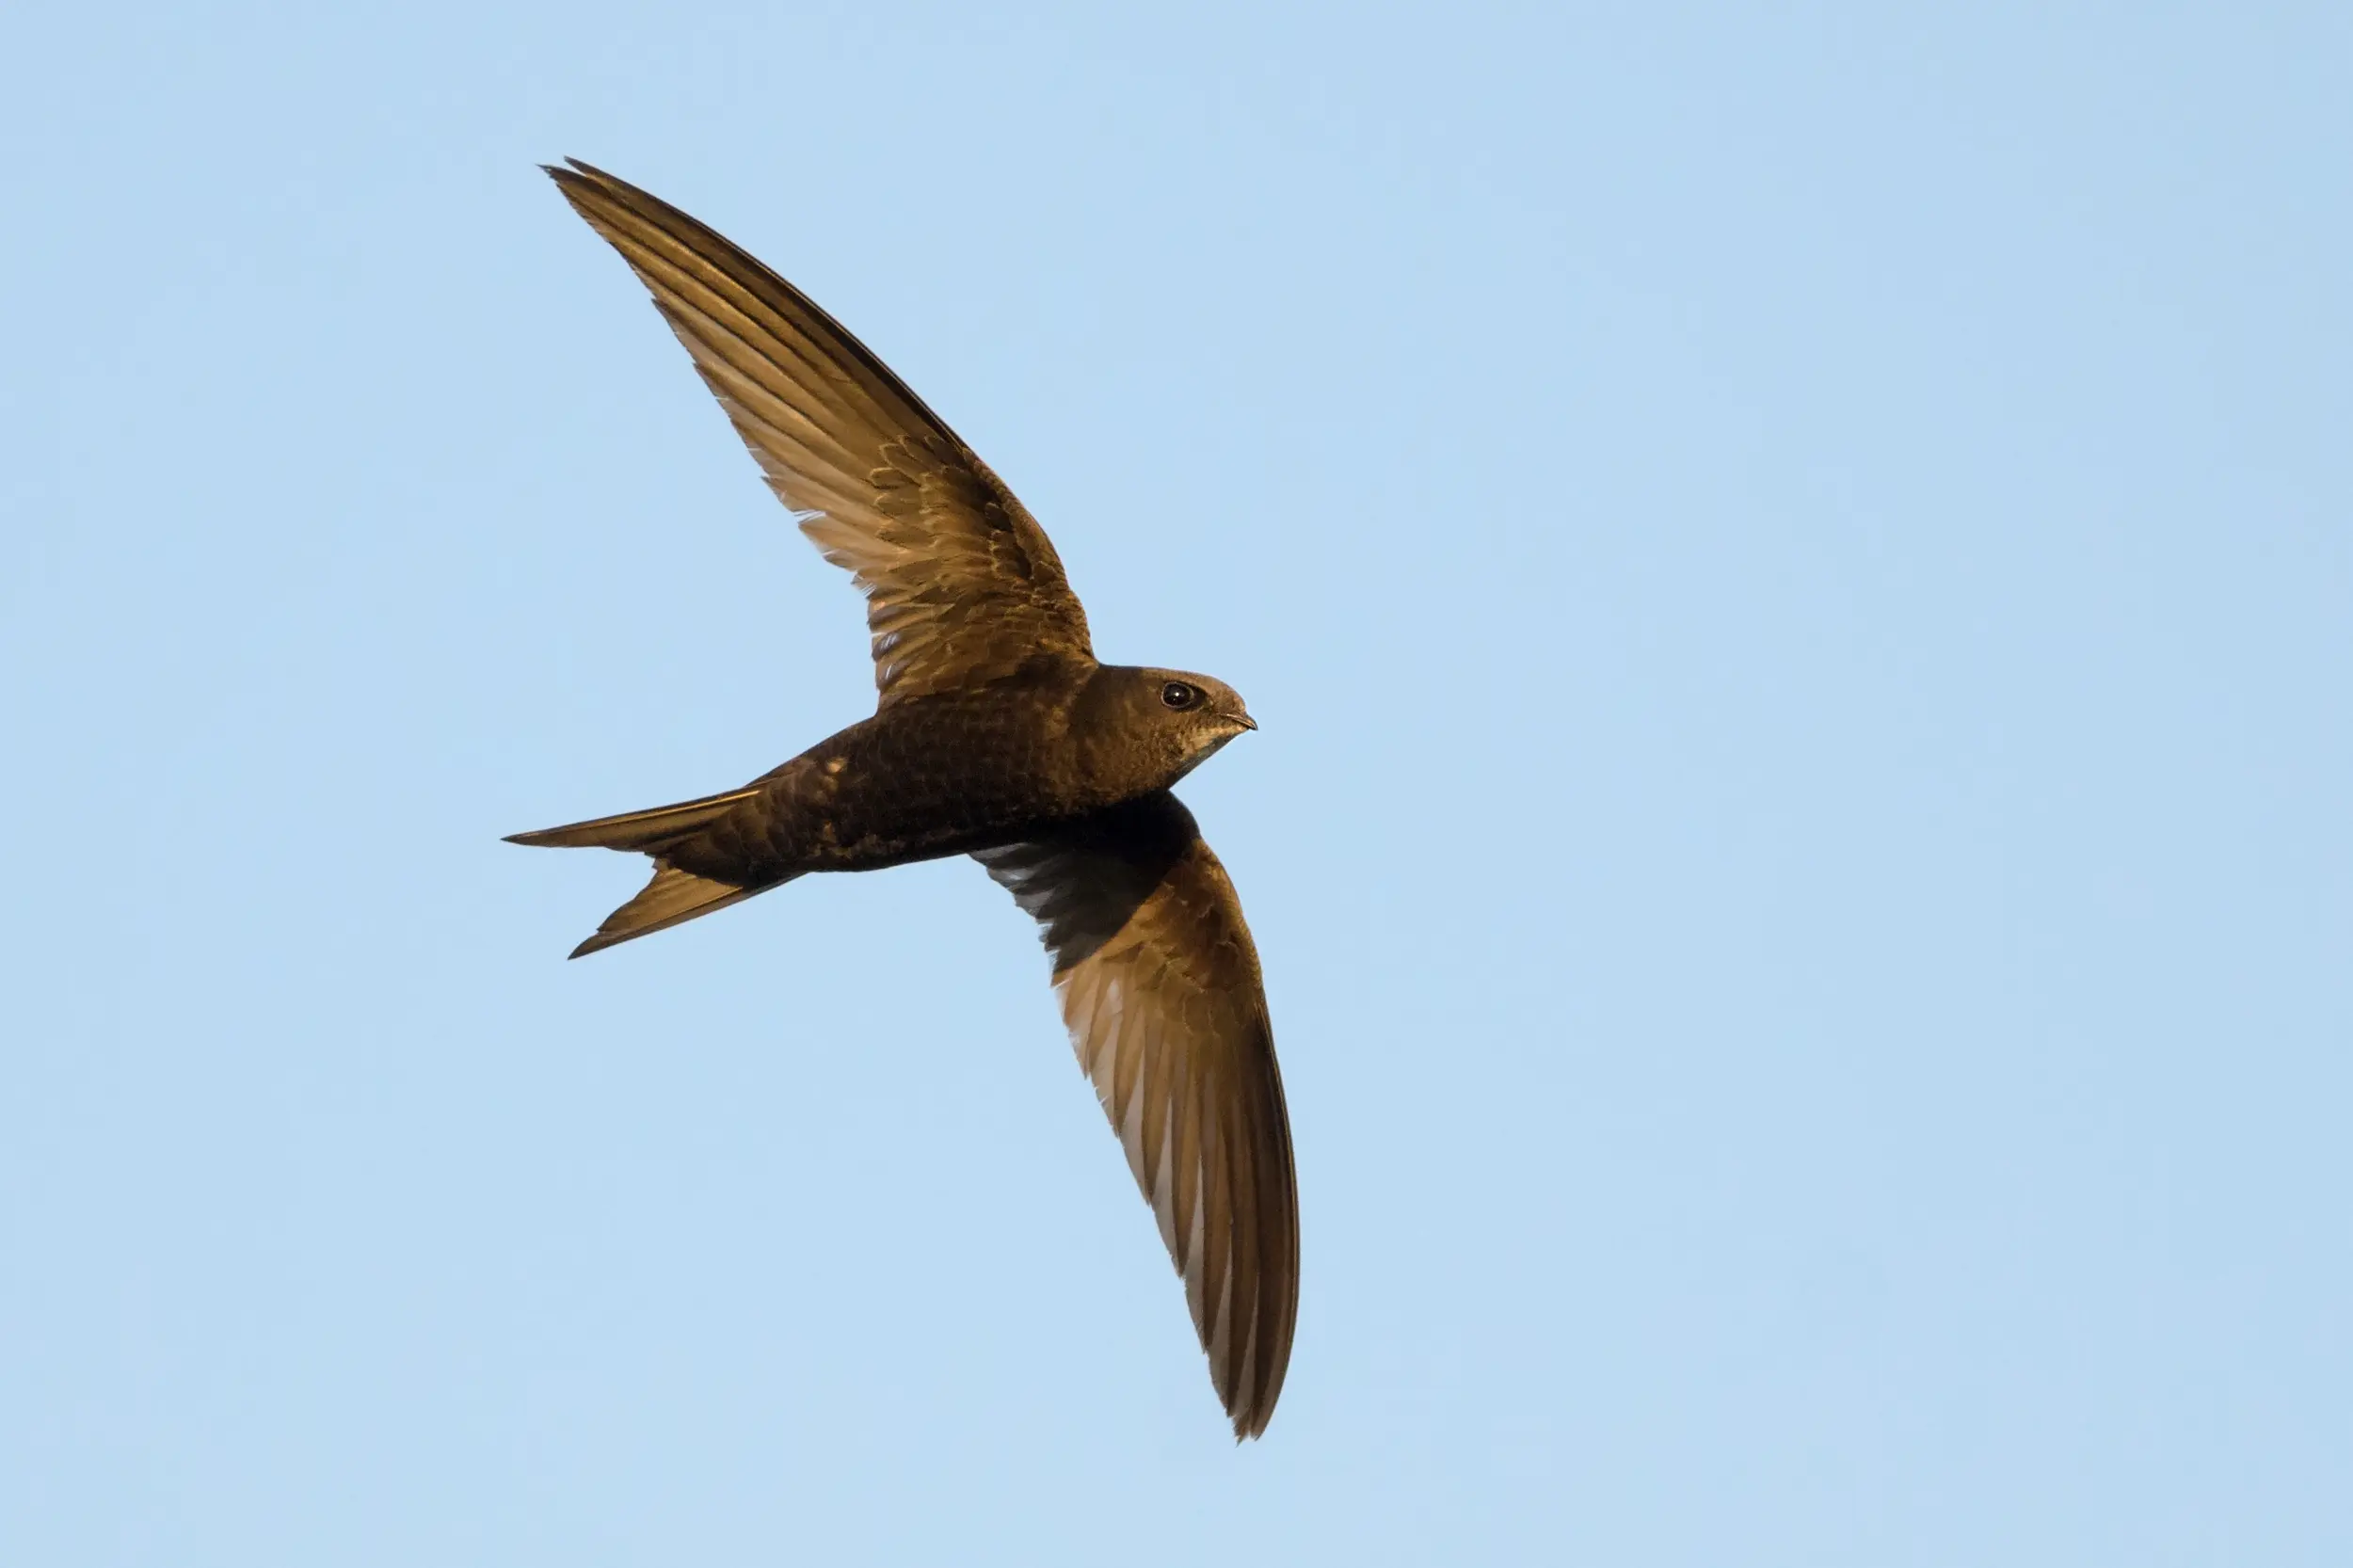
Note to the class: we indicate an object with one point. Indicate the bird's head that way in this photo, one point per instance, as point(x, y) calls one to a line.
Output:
point(1175, 719)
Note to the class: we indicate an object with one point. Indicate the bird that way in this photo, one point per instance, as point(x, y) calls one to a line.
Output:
point(995, 734)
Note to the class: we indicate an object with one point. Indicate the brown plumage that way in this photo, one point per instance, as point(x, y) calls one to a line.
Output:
point(996, 733)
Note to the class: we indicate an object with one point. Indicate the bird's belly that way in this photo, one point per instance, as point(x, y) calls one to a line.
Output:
point(855, 813)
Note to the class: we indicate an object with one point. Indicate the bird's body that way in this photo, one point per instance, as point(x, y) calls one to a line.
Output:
point(995, 734)
point(947, 773)
point(943, 775)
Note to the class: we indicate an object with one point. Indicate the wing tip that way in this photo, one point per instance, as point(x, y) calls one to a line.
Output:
point(583, 182)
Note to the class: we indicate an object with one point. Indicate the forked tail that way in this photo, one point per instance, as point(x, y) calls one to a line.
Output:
point(674, 896)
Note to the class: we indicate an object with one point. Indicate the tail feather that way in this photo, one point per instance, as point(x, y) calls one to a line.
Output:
point(646, 831)
point(674, 896)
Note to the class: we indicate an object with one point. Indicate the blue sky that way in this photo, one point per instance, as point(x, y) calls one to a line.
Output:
point(1795, 564)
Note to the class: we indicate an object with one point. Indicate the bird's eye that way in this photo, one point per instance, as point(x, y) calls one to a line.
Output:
point(1179, 695)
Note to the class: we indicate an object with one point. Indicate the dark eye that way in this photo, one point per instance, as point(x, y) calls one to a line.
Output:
point(1179, 695)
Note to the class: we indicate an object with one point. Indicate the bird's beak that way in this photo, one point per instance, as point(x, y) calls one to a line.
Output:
point(1243, 719)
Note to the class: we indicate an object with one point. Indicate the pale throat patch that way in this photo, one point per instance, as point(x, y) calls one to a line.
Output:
point(1206, 753)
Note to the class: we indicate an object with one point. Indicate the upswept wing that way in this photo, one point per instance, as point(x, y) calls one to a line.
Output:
point(1159, 986)
point(961, 585)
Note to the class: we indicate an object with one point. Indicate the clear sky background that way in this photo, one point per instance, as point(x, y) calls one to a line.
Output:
point(1797, 568)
